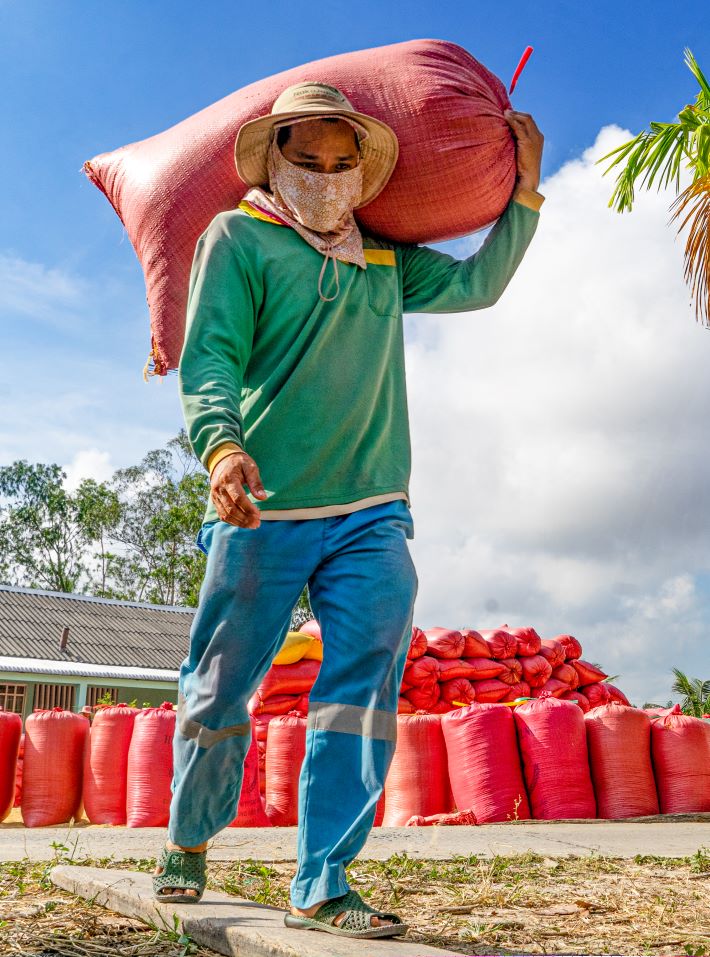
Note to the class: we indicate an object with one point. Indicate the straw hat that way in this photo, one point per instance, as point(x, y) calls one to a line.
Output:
point(378, 150)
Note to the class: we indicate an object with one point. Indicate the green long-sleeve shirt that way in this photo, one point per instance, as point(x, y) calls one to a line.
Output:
point(315, 391)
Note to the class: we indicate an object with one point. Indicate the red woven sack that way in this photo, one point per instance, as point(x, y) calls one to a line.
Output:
point(551, 687)
point(106, 767)
point(418, 778)
point(482, 668)
point(567, 674)
point(680, 747)
point(444, 642)
point(616, 694)
point(421, 671)
point(458, 691)
point(572, 647)
point(417, 644)
point(488, 692)
point(455, 818)
point(294, 679)
point(513, 671)
point(450, 668)
point(536, 670)
point(150, 767)
point(596, 694)
point(527, 639)
point(475, 646)
point(405, 706)
point(554, 651)
point(588, 673)
point(250, 811)
point(276, 703)
point(18, 777)
point(500, 643)
point(484, 763)
point(424, 697)
point(285, 750)
point(442, 707)
point(379, 811)
point(579, 697)
point(519, 690)
point(10, 734)
point(455, 174)
point(53, 767)
point(553, 746)
point(619, 743)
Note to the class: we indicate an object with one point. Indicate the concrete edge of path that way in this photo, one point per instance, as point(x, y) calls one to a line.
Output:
point(228, 925)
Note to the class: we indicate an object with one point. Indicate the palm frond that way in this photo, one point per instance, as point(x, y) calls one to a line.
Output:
point(693, 205)
point(692, 65)
point(682, 684)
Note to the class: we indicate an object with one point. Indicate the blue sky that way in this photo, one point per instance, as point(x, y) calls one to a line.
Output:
point(82, 78)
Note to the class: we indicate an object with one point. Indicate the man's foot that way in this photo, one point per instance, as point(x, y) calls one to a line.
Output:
point(310, 912)
point(159, 870)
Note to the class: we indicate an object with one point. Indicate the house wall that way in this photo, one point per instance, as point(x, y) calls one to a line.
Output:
point(145, 694)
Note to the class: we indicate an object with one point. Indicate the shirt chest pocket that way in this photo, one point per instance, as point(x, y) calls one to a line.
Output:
point(383, 286)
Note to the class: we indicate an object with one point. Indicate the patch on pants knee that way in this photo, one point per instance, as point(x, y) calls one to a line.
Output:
point(206, 737)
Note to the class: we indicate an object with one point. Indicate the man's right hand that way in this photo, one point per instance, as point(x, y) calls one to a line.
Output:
point(227, 480)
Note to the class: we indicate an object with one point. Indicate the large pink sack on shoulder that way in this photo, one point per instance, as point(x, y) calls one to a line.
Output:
point(455, 174)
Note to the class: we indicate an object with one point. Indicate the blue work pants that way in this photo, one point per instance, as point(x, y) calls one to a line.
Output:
point(362, 588)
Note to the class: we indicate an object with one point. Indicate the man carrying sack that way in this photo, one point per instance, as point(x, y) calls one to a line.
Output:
point(293, 385)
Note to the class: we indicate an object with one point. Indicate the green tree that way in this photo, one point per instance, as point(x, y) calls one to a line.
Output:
point(658, 155)
point(696, 694)
point(43, 540)
point(162, 501)
point(99, 512)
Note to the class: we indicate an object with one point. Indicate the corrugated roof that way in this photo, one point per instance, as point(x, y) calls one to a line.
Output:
point(102, 631)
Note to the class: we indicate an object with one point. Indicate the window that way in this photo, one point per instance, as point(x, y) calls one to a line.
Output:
point(54, 696)
point(12, 698)
point(95, 694)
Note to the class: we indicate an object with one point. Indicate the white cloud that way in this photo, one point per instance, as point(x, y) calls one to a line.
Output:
point(561, 462)
point(88, 464)
point(33, 291)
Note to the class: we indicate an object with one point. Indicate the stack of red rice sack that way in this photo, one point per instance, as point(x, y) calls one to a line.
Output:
point(446, 669)
point(286, 686)
point(546, 760)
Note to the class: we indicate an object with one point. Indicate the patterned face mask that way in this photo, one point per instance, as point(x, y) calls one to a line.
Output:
point(322, 202)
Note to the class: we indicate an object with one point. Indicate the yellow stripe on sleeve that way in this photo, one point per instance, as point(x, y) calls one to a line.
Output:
point(380, 257)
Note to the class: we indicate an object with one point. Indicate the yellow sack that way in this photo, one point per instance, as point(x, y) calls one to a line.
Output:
point(297, 646)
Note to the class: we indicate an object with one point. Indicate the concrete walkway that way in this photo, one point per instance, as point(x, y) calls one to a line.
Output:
point(669, 836)
point(228, 925)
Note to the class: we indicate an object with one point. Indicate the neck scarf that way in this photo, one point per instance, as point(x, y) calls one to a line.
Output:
point(319, 207)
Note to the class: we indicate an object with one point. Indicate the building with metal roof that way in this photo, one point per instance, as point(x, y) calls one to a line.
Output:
point(62, 650)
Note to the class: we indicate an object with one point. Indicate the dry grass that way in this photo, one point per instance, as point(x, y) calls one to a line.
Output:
point(506, 905)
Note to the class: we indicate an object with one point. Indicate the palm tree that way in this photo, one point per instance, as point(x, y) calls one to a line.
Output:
point(657, 155)
point(696, 694)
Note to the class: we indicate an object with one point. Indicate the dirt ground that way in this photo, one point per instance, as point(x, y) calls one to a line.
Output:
point(505, 905)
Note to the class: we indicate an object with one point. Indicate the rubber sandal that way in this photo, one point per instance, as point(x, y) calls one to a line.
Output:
point(356, 922)
point(184, 870)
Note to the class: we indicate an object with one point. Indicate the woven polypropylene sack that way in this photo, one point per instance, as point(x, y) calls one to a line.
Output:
point(500, 643)
point(424, 697)
point(475, 646)
point(455, 174)
point(53, 767)
point(554, 651)
point(619, 745)
point(276, 703)
point(150, 768)
point(444, 642)
point(577, 697)
point(491, 690)
point(551, 687)
point(418, 778)
point(480, 669)
point(553, 746)
point(536, 670)
point(10, 734)
point(106, 767)
point(567, 674)
point(527, 639)
point(680, 746)
point(417, 644)
point(616, 694)
point(519, 690)
point(296, 678)
point(484, 763)
point(285, 750)
point(596, 693)
point(457, 691)
point(250, 811)
point(380, 811)
point(18, 774)
point(513, 673)
point(588, 673)
point(572, 647)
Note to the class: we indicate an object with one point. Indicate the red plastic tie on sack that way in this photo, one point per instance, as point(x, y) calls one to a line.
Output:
point(520, 67)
